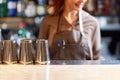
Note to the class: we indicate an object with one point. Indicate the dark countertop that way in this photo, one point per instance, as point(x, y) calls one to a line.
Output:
point(85, 62)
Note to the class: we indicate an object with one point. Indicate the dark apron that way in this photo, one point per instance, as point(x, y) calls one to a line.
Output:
point(64, 46)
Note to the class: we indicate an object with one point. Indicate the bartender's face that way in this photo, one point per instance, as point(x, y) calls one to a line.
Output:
point(74, 4)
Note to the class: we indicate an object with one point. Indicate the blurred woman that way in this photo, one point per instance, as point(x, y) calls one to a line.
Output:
point(72, 33)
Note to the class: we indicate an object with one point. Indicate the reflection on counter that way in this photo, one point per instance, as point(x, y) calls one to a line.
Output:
point(85, 62)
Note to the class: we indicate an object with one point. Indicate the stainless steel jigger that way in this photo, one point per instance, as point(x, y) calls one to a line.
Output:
point(10, 52)
point(26, 52)
point(42, 52)
point(1, 47)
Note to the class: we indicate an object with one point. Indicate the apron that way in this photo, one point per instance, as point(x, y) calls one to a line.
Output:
point(64, 46)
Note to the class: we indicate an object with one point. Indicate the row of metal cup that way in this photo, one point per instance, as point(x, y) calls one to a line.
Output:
point(10, 53)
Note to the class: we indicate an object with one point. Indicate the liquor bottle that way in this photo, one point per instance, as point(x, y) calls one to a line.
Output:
point(91, 6)
point(118, 10)
point(3, 8)
point(100, 7)
point(113, 10)
point(23, 33)
point(12, 8)
point(106, 7)
point(30, 10)
point(13, 35)
point(42, 2)
point(41, 10)
point(0, 35)
point(50, 9)
point(20, 8)
point(41, 7)
point(118, 7)
point(1, 48)
point(22, 30)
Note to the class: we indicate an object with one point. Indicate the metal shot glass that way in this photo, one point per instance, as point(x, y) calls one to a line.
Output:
point(10, 52)
point(26, 52)
point(1, 52)
point(42, 52)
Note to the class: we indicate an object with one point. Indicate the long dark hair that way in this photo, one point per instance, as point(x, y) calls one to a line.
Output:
point(58, 5)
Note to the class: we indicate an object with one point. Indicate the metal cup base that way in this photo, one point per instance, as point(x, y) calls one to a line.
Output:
point(42, 63)
point(13, 62)
point(26, 63)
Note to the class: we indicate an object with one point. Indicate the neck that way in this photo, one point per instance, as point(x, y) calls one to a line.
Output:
point(70, 15)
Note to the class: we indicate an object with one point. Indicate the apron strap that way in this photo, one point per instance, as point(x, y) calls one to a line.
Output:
point(80, 22)
point(81, 30)
point(59, 23)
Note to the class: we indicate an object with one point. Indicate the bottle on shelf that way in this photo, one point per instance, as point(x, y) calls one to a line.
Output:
point(3, 8)
point(106, 7)
point(100, 7)
point(1, 47)
point(118, 10)
point(0, 35)
point(22, 31)
point(12, 8)
point(41, 7)
point(13, 35)
point(42, 2)
point(118, 7)
point(50, 7)
point(1, 38)
point(113, 10)
point(20, 8)
point(30, 10)
point(90, 6)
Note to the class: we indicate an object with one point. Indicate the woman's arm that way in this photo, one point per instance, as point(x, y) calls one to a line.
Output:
point(44, 30)
point(96, 43)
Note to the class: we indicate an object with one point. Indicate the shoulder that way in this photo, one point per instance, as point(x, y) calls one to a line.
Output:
point(50, 19)
point(89, 20)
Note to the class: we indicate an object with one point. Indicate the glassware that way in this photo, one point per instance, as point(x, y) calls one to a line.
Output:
point(118, 51)
point(26, 52)
point(42, 52)
point(10, 52)
point(1, 52)
point(12, 8)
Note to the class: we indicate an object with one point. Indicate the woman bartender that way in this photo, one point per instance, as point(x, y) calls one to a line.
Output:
point(72, 33)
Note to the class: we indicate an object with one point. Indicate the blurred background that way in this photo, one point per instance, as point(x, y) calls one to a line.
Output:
point(21, 19)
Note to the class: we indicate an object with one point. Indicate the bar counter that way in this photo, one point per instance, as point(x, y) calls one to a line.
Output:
point(63, 70)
